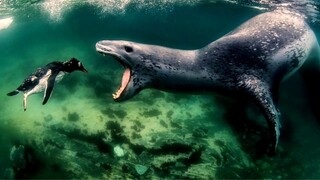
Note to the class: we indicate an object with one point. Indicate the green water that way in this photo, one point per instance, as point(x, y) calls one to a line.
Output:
point(174, 136)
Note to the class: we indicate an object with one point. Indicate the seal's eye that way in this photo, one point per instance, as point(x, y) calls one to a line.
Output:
point(128, 49)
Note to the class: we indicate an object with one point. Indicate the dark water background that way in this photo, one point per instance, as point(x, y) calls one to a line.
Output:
point(71, 136)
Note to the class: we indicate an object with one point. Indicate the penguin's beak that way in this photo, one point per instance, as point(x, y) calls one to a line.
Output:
point(83, 70)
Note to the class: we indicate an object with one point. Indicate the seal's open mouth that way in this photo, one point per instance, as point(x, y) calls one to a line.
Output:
point(104, 50)
point(125, 81)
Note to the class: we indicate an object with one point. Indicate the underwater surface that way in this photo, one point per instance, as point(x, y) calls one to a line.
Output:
point(82, 133)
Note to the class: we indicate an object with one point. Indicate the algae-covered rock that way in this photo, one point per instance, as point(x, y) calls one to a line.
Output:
point(9, 173)
point(137, 170)
point(140, 169)
point(17, 157)
point(73, 117)
point(118, 151)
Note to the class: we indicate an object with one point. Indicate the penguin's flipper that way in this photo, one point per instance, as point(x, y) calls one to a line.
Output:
point(49, 88)
point(15, 92)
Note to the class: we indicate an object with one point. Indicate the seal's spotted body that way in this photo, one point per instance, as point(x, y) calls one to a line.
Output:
point(252, 60)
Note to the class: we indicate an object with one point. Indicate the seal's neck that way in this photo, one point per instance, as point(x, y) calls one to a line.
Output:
point(177, 58)
point(177, 70)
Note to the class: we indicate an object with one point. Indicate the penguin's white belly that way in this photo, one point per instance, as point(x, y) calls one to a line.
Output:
point(60, 76)
point(43, 83)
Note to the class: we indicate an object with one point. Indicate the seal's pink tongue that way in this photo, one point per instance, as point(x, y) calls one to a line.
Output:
point(125, 78)
point(124, 83)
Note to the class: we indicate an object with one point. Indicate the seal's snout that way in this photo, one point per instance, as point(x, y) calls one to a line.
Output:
point(103, 47)
point(98, 45)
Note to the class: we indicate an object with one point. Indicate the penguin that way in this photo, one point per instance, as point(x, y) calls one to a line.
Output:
point(44, 78)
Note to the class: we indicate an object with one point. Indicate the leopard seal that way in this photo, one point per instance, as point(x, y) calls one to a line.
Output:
point(251, 61)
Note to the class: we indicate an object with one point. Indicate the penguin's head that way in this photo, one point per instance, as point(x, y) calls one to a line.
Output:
point(73, 65)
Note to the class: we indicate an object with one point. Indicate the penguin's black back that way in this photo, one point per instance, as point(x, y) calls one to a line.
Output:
point(33, 79)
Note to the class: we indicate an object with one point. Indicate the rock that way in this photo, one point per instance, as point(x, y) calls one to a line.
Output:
point(24, 161)
point(137, 170)
point(118, 151)
point(17, 157)
point(73, 117)
point(8, 173)
point(200, 133)
point(48, 118)
point(140, 169)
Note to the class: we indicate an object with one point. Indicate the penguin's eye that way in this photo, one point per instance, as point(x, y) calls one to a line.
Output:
point(128, 49)
point(79, 64)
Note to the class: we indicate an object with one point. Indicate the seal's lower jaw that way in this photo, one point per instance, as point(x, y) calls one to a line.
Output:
point(126, 77)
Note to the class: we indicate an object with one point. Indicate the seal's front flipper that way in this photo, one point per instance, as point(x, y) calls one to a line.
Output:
point(262, 96)
point(49, 88)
